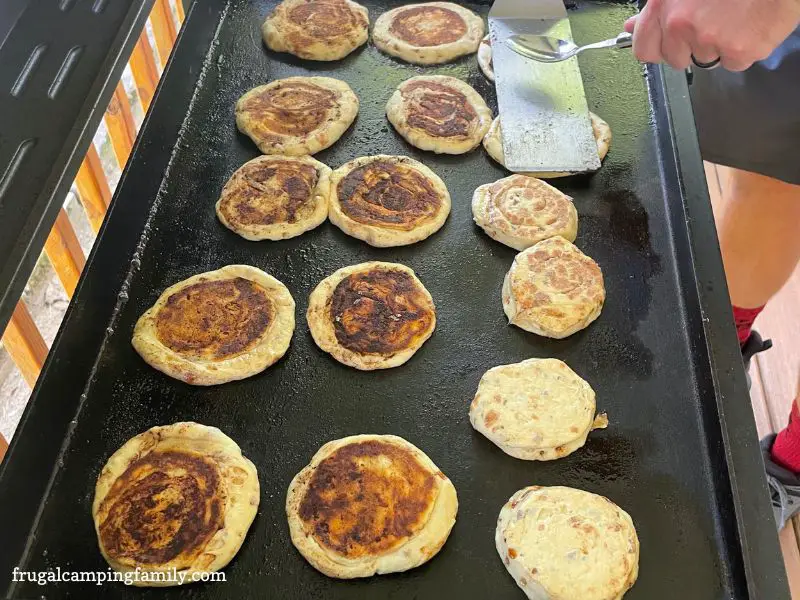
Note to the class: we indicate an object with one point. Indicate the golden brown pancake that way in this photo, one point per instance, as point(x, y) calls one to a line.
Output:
point(370, 504)
point(371, 316)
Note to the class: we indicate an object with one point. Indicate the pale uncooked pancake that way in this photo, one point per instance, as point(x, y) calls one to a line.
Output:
point(179, 497)
point(439, 113)
point(217, 326)
point(388, 200)
point(538, 409)
point(275, 197)
point(553, 289)
point(316, 29)
point(297, 115)
point(428, 33)
point(493, 143)
point(368, 505)
point(520, 211)
point(374, 315)
point(485, 58)
point(560, 543)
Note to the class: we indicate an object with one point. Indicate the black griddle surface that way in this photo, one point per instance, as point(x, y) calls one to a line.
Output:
point(659, 459)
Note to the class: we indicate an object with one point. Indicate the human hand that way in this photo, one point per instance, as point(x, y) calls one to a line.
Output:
point(738, 32)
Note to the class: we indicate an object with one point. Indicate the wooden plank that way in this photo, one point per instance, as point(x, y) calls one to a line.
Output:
point(93, 190)
point(3, 447)
point(65, 253)
point(179, 10)
point(758, 399)
point(163, 29)
point(791, 556)
point(145, 72)
point(120, 125)
point(24, 344)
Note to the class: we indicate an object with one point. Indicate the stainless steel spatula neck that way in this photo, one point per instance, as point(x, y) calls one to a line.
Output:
point(544, 48)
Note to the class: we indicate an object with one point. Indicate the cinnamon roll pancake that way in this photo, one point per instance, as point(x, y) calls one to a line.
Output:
point(493, 143)
point(553, 289)
point(316, 29)
point(429, 33)
point(275, 197)
point(388, 200)
point(368, 505)
point(485, 57)
point(374, 315)
point(439, 113)
point(520, 211)
point(217, 326)
point(297, 115)
point(178, 498)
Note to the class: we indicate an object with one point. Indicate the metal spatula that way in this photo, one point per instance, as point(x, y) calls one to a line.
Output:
point(545, 48)
point(543, 112)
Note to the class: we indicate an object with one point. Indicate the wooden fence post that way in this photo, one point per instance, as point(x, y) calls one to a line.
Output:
point(24, 344)
point(163, 29)
point(65, 253)
point(93, 190)
point(121, 128)
point(145, 72)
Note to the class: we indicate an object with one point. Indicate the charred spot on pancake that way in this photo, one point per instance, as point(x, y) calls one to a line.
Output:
point(215, 320)
point(438, 109)
point(380, 311)
point(290, 108)
point(164, 508)
point(367, 498)
point(323, 19)
point(269, 192)
point(388, 194)
point(427, 26)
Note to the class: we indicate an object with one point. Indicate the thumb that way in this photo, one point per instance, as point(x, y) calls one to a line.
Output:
point(630, 24)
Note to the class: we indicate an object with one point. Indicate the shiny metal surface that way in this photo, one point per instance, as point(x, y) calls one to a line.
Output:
point(545, 48)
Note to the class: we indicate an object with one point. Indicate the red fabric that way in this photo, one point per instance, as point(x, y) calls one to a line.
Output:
point(786, 449)
point(744, 317)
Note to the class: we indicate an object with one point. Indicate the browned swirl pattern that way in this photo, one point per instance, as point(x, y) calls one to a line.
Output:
point(367, 498)
point(380, 311)
point(324, 19)
point(268, 192)
point(388, 194)
point(426, 26)
point(215, 320)
point(291, 108)
point(164, 508)
point(529, 205)
point(438, 109)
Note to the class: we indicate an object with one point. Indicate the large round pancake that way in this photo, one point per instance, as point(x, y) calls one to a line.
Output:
point(520, 211)
point(388, 200)
point(439, 113)
point(370, 504)
point(297, 115)
point(275, 197)
point(316, 29)
point(217, 326)
point(373, 315)
point(485, 57)
point(178, 497)
point(560, 543)
point(428, 33)
point(553, 289)
point(537, 409)
point(493, 143)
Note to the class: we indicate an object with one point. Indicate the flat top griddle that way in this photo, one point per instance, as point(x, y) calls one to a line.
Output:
point(659, 357)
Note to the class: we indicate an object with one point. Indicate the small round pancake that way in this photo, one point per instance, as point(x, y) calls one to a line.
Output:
point(316, 29)
point(370, 504)
point(485, 58)
point(553, 289)
point(439, 113)
point(493, 143)
point(537, 409)
point(560, 543)
point(297, 115)
point(388, 200)
point(520, 211)
point(428, 34)
point(179, 497)
point(275, 197)
point(217, 326)
point(374, 315)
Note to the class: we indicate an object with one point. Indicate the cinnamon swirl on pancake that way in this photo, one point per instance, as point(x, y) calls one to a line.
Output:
point(439, 113)
point(217, 326)
point(178, 498)
point(297, 115)
point(374, 315)
point(519, 211)
point(429, 33)
point(368, 505)
point(316, 29)
point(275, 197)
point(388, 200)
point(553, 289)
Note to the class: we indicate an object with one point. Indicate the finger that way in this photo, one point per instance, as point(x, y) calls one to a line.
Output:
point(732, 63)
point(676, 51)
point(705, 54)
point(647, 37)
point(630, 24)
